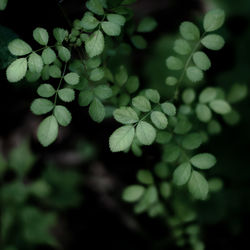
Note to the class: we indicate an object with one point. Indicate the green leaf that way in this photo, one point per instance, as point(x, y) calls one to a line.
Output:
point(94, 62)
point(147, 24)
point(182, 126)
point(117, 19)
point(35, 63)
point(182, 174)
point(123, 100)
point(220, 107)
point(126, 115)
point(103, 92)
point(213, 42)
point(122, 138)
point(46, 90)
point(171, 81)
point(194, 74)
point(89, 22)
point(17, 70)
point(47, 131)
point(96, 110)
point(188, 96)
point(132, 84)
point(66, 94)
point(145, 133)
point(72, 78)
point(3, 4)
point(141, 103)
point(161, 170)
point(237, 93)
point(182, 47)
point(145, 177)
point(18, 47)
point(62, 114)
point(41, 106)
point(203, 113)
point(168, 108)
point(213, 20)
point(139, 42)
point(111, 29)
point(163, 137)
point(45, 73)
point(133, 193)
point(207, 95)
point(55, 71)
point(153, 95)
point(198, 186)
point(95, 44)
point(64, 53)
point(159, 119)
point(96, 74)
point(85, 98)
point(60, 34)
point(48, 56)
point(121, 76)
point(174, 63)
point(192, 141)
point(201, 60)
point(189, 31)
point(203, 161)
point(41, 36)
point(95, 6)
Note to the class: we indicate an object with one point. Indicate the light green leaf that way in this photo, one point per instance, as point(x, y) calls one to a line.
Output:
point(198, 186)
point(62, 114)
point(46, 90)
point(41, 36)
point(111, 29)
point(159, 119)
point(141, 103)
point(103, 92)
point(213, 42)
point(66, 94)
point(207, 95)
point(171, 81)
point(203, 161)
point(47, 131)
point(132, 84)
point(117, 19)
point(147, 24)
point(96, 74)
point(182, 174)
point(139, 42)
point(122, 138)
point(213, 20)
point(192, 141)
point(85, 98)
point(35, 63)
point(133, 193)
point(121, 76)
point(95, 6)
point(145, 133)
point(203, 113)
point(174, 63)
point(55, 71)
point(201, 60)
point(72, 78)
point(126, 115)
point(41, 106)
point(194, 74)
point(145, 177)
point(188, 96)
point(48, 56)
point(64, 53)
point(95, 44)
point(96, 110)
point(220, 107)
point(182, 47)
point(153, 95)
point(189, 31)
point(168, 108)
point(60, 34)
point(17, 70)
point(18, 47)
point(89, 22)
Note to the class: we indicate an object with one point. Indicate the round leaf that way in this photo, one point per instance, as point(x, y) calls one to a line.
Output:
point(213, 20)
point(46, 90)
point(17, 70)
point(41, 36)
point(159, 119)
point(62, 114)
point(145, 133)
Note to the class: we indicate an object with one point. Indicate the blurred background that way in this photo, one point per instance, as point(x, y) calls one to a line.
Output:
point(68, 196)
